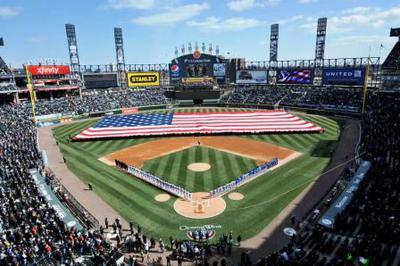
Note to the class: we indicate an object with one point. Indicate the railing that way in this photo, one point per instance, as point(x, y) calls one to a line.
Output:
point(80, 212)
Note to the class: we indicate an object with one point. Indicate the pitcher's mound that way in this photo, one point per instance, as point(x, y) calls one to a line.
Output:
point(198, 167)
point(162, 197)
point(235, 196)
point(200, 207)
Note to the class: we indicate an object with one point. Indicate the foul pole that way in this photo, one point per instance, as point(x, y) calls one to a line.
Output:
point(30, 88)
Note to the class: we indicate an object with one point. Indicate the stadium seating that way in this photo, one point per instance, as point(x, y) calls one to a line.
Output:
point(329, 98)
point(368, 231)
point(95, 101)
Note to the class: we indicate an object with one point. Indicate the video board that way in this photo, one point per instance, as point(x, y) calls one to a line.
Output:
point(100, 81)
point(295, 76)
point(251, 77)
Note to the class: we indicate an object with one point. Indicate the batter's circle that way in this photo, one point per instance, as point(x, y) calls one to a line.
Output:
point(200, 207)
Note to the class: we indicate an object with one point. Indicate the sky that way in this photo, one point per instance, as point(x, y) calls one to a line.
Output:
point(34, 30)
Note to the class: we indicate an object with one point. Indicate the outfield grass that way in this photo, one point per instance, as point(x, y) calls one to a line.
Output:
point(264, 198)
point(225, 167)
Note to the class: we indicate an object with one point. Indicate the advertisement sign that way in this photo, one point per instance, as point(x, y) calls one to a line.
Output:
point(328, 218)
point(295, 76)
point(343, 76)
point(130, 110)
point(174, 71)
point(48, 70)
point(251, 77)
point(100, 81)
point(197, 80)
point(219, 70)
point(143, 79)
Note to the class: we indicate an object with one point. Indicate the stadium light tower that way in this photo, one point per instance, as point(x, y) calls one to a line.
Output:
point(395, 32)
point(273, 43)
point(320, 40)
point(72, 47)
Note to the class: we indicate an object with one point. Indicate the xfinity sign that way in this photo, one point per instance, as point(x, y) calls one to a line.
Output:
point(343, 76)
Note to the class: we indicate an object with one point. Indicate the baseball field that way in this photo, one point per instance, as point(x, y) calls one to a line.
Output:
point(181, 160)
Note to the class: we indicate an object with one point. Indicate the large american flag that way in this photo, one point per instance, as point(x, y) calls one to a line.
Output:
point(196, 123)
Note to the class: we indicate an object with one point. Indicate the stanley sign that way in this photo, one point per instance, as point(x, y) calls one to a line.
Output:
point(143, 79)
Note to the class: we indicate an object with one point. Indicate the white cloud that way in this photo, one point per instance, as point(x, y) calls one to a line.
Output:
point(214, 24)
point(36, 39)
point(307, 1)
point(172, 15)
point(290, 19)
point(241, 5)
point(359, 18)
point(136, 4)
point(8, 12)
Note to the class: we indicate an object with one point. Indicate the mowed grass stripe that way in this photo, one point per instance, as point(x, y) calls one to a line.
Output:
point(222, 167)
point(199, 176)
point(272, 184)
point(207, 175)
point(215, 171)
point(181, 180)
point(190, 175)
point(291, 142)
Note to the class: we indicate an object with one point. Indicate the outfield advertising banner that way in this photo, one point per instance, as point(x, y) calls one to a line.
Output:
point(251, 77)
point(143, 79)
point(343, 76)
point(48, 70)
point(295, 76)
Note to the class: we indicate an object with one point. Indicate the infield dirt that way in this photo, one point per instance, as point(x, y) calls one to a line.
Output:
point(259, 151)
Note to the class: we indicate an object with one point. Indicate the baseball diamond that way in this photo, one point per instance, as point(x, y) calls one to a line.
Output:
point(220, 150)
point(168, 158)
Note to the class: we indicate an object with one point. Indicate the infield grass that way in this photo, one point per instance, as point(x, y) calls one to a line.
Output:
point(265, 197)
point(225, 167)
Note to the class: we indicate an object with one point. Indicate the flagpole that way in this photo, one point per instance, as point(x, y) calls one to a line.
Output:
point(30, 88)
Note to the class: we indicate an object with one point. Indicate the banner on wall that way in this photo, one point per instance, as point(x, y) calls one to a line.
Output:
point(143, 79)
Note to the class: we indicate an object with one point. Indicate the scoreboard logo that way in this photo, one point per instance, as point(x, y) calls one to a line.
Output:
point(175, 69)
point(143, 79)
point(196, 55)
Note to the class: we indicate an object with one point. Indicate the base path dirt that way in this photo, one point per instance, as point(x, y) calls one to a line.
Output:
point(256, 150)
point(200, 207)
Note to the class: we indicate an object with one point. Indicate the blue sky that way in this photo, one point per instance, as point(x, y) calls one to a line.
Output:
point(35, 29)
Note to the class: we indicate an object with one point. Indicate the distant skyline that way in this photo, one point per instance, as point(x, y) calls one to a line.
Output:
point(35, 30)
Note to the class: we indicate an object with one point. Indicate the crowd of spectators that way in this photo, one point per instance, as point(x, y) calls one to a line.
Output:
point(342, 99)
point(30, 229)
point(32, 232)
point(392, 62)
point(95, 101)
point(367, 232)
